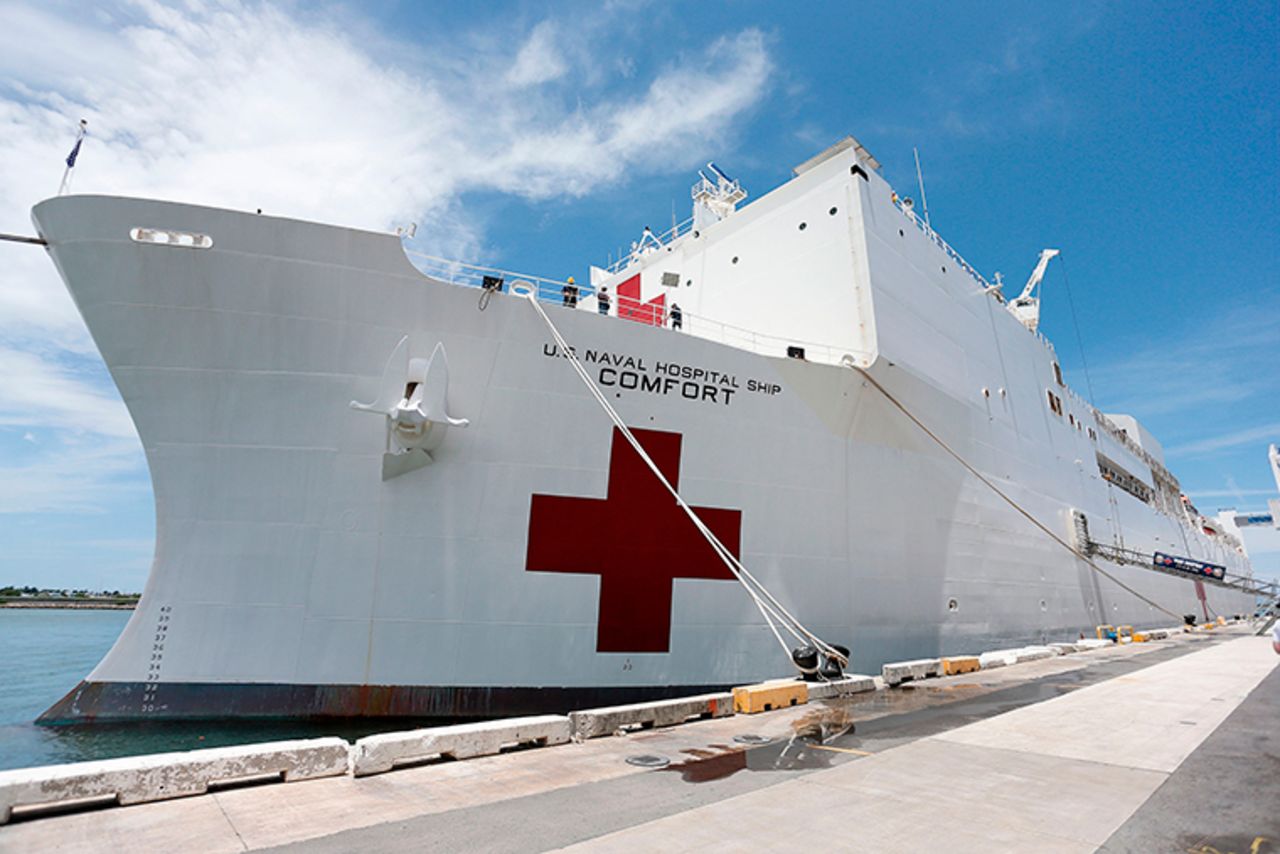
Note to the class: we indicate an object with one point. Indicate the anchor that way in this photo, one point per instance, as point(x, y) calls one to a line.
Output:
point(411, 396)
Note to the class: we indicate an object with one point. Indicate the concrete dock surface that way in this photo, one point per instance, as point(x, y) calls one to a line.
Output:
point(1167, 746)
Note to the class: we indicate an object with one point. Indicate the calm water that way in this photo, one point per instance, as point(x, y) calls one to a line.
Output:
point(44, 653)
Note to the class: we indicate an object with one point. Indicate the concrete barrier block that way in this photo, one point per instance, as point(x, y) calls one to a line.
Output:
point(997, 658)
point(1093, 643)
point(895, 673)
point(1063, 648)
point(379, 753)
point(852, 683)
point(590, 723)
point(955, 664)
point(159, 776)
point(1035, 653)
point(767, 696)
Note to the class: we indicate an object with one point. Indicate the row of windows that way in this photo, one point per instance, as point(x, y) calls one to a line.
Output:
point(1055, 406)
point(1112, 473)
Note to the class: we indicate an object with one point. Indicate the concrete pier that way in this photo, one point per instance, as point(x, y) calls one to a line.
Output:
point(1164, 746)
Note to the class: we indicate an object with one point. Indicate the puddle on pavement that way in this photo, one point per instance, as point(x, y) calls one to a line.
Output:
point(818, 737)
point(801, 749)
point(884, 718)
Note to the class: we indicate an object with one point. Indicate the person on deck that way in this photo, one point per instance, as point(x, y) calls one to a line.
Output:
point(570, 294)
point(602, 300)
point(677, 316)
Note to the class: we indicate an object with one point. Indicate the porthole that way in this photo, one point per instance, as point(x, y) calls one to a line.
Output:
point(735, 259)
point(803, 226)
point(944, 269)
point(1044, 606)
point(697, 234)
point(901, 233)
point(688, 283)
point(832, 212)
point(953, 605)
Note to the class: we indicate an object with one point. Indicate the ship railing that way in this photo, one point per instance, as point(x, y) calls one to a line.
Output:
point(1113, 430)
point(1233, 580)
point(942, 244)
point(474, 275)
point(552, 292)
point(650, 243)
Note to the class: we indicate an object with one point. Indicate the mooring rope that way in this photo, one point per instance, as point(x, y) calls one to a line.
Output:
point(768, 605)
point(1012, 503)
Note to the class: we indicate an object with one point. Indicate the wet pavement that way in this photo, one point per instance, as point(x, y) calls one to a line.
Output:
point(785, 769)
point(820, 736)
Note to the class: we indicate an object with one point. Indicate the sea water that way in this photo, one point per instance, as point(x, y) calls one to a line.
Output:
point(45, 652)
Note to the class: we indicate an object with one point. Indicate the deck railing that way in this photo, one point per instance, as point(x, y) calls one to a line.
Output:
point(651, 243)
point(942, 244)
point(552, 292)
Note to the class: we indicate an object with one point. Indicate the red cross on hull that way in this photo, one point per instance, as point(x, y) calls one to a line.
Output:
point(637, 539)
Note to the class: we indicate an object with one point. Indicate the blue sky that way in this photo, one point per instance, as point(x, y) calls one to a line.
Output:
point(1139, 138)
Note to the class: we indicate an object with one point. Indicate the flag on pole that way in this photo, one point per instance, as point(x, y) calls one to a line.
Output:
point(71, 158)
point(75, 152)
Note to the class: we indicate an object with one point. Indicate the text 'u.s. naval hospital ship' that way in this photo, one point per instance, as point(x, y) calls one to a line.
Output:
point(379, 492)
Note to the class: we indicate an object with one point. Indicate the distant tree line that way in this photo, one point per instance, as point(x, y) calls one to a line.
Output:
point(13, 591)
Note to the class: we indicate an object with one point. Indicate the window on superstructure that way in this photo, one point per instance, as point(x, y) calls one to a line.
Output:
point(1117, 476)
point(1057, 374)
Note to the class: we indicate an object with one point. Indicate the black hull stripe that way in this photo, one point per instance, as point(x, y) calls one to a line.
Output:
point(91, 702)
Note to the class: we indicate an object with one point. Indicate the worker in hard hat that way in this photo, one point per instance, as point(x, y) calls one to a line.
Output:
point(570, 294)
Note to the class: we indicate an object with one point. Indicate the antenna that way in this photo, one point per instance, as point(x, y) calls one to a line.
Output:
point(924, 201)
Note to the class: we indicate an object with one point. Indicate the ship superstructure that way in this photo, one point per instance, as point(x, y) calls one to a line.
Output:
point(383, 493)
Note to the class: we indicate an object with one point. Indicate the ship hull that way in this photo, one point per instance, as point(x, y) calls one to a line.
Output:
point(302, 571)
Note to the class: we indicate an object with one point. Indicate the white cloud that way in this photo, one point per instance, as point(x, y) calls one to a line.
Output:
point(85, 474)
point(94, 457)
point(1235, 438)
point(539, 60)
point(1208, 366)
point(301, 113)
point(42, 393)
point(1229, 493)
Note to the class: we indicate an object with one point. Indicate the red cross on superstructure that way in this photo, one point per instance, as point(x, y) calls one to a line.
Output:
point(637, 539)
point(631, 306)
